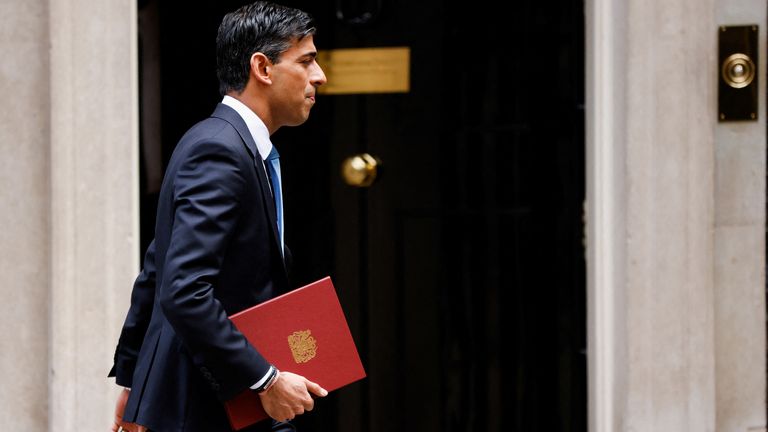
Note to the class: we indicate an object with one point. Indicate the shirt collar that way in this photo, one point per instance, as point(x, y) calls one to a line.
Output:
point(256, 127)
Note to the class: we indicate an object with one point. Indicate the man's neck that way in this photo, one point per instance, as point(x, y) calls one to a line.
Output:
point(256, 105)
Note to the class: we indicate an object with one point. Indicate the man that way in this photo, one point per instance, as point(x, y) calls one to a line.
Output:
point(218, 245)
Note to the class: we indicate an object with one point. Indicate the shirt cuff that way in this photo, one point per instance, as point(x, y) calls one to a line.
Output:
point(261, 382)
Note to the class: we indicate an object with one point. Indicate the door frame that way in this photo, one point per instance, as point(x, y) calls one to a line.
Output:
point(604, 208)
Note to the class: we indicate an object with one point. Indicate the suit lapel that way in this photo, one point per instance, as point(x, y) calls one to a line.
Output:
point(232, 117)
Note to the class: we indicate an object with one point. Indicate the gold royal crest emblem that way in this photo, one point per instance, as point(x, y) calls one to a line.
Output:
point(303, 346)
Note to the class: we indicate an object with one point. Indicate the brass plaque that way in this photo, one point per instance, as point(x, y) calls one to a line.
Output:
point(738, 74)
point(366, 70)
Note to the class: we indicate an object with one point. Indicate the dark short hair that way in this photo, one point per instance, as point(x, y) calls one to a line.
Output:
point(258, 27)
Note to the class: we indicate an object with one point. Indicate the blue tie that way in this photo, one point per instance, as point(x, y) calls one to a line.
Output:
point(273, 166)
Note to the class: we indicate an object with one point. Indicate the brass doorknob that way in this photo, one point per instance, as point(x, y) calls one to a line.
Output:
point(360, 170)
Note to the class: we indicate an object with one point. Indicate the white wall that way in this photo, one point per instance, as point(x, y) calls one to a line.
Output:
point(70, 179)
point(676, 223)
point(25, 219)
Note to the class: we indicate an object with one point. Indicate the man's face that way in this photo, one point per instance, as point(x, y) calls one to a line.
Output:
point(295, 79)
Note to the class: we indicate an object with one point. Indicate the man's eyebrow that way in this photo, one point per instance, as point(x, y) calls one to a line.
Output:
point(310, 54)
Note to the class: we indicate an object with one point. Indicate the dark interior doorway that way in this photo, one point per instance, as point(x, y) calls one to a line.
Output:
point(462, 269)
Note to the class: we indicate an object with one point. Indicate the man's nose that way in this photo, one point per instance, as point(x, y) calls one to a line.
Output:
point(318, 76)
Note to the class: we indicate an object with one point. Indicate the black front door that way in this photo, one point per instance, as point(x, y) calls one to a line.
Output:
point(461, 270)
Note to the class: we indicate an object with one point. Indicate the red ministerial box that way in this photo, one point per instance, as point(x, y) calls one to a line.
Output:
point(304, 332)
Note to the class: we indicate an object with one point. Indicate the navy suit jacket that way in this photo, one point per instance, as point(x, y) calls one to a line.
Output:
point(216, 252)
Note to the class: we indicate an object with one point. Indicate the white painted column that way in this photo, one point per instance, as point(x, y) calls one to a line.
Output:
point(25, 233)
point(651, 118)
point(69, 188)
point(94, 219)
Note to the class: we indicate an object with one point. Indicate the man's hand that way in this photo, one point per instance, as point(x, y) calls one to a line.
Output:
point(122, 399)
point(289, 396)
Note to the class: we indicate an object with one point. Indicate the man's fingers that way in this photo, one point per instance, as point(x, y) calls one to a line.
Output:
point(309, 403)
point(128, 427)
point(315, 388)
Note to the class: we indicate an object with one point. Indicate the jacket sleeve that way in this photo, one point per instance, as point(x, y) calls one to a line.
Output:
point(207, 190)
point(136, 322)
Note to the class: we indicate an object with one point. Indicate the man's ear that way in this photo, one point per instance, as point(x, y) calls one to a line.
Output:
point(261, 68)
